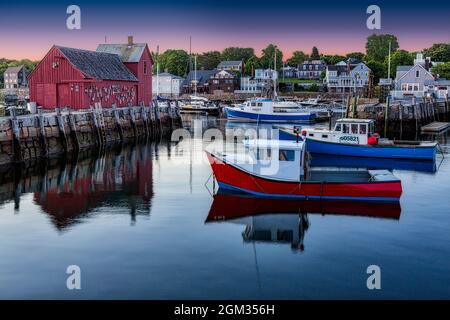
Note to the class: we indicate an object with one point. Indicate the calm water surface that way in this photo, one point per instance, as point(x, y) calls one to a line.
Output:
point(141, 222)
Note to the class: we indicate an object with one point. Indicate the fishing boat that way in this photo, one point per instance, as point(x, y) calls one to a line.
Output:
point(356, 137)
point(276, 169)
point(196, 104)
point(265, 110)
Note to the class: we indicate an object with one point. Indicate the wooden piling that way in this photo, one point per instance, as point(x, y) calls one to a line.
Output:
point(16, 135)
point(73, 131)
point(62, 132)
point(42, 137)
point(386, 115)
point(117, 120)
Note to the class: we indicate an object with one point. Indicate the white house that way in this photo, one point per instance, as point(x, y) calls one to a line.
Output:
point(410, 80)
point(168, 85)
point(345, 77)
point(256, 83)
point(231, 65)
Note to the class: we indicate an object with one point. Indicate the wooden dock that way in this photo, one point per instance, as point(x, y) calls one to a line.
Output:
point(436, 127)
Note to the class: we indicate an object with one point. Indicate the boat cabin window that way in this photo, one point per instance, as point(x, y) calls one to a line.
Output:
point(259, 104)
point(338, 127)
point(286, 155)
point(355, 128)
point(363, 129)
point(345, 128)
point(253, 104)
point(371, 128)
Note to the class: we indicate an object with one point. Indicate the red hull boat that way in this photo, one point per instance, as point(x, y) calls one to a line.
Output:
point(363, 185)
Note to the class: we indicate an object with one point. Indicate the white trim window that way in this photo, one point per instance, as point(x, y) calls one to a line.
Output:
point(410, 87)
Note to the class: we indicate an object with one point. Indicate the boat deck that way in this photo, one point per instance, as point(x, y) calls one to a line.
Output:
point(330, 175)
point(436, 127)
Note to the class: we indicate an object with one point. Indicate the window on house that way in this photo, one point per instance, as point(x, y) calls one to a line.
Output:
point(417, 73)
point(145, 67)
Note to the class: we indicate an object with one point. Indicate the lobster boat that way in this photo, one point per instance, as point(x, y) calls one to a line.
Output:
point(266, 110)
point(276, 169)
point(356, 137)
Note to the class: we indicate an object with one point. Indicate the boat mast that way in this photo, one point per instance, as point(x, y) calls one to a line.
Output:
point(389, 61)
point(157, 71)
point(195, 75)
point(274, 74)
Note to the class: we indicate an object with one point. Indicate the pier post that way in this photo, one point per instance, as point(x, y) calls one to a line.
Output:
point(73, 131)
point(386, 115)
point(42, 136)
point(144, 120)
point(117, 120)
point(133, 122)
point(446, 105)
point(97, 126)
point(16, 135)
point(62, 133)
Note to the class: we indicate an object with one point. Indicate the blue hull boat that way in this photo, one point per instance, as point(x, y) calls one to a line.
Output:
point(420, 151)
point(233, 113)
point(355, 138)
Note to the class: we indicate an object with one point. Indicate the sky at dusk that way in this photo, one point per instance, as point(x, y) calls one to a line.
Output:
point(29, 28)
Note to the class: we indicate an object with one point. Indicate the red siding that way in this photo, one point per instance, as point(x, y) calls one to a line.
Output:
point(56, 82)
point(145, 79)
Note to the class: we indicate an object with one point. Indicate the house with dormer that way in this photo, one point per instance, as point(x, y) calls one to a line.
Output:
point(410, 81)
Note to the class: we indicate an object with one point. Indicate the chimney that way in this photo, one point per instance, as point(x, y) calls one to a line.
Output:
point(130, 41)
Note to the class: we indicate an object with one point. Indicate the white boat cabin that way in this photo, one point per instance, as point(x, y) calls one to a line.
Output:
point(349, 131)
point(257, 106)
point(279, 160)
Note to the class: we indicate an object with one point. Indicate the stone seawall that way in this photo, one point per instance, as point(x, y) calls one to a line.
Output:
point(29, 137)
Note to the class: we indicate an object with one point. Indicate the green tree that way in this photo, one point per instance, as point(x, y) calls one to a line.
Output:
point(297, 58)
point(377, 46)
point(268, 57)
point(332, 59)
point(356, 55)
point(209, 60)
point(173, 61)
point(252, 64)
point(442, 70)
point(438, 52)
point(315, 54)
point(237, 54)
point(379, 70)
point(399, 58)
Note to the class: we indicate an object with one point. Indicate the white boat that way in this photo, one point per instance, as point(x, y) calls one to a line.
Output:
point(264, 110)
point(198, 104)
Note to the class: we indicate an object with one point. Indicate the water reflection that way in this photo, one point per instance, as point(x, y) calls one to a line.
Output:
point(69, 189)
point(286, 221)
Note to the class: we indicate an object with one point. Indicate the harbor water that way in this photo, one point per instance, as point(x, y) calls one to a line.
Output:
point(144, 221)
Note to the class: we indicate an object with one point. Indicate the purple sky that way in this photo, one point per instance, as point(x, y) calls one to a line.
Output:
point(28, 29)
